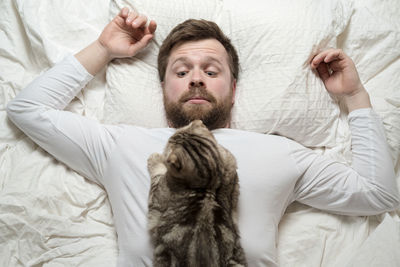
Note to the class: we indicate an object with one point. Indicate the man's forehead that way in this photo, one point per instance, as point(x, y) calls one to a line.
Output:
point(208, 49)
point(188, 60)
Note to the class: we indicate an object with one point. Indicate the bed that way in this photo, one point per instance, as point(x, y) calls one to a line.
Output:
point(52, 216)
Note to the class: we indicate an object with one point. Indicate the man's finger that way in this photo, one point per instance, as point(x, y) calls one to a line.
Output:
point(124, 12)
point(146, 39)
point(336, 54)
point(131, 17)
point(152, 26)
point(323, 71)
point(322, 57)
point(335, 65)
point(318, 59)
point(140, 44)
point(139, 21)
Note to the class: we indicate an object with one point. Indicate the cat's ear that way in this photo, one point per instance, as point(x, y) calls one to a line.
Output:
point(198, 123)
point(173, 162)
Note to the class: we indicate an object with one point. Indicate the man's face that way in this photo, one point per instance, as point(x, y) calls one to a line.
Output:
point(198, 85)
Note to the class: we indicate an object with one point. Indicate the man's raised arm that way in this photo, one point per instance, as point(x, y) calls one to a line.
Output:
point(37, 110)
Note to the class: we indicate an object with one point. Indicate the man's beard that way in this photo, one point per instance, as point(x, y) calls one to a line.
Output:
point(214, 114)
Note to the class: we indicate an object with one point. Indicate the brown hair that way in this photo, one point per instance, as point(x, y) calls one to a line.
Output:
point(195, 30)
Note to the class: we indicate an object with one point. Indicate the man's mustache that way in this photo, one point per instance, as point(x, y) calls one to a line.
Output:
point(197, 92)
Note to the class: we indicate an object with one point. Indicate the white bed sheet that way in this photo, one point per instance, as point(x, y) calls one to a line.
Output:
point(51, 216)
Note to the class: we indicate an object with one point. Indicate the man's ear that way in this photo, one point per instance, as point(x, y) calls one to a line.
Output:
point(162, 85)
point(233, 91)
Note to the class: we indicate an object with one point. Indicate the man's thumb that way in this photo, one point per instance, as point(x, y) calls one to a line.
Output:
point(136, 47)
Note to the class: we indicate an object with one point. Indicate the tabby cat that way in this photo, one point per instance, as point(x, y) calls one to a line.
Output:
point(193, 201)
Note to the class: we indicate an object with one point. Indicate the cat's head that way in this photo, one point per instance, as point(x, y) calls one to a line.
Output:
point(192, 157)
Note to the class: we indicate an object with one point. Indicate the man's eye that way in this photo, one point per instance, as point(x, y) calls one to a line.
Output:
point(181, 73)
point(211, 73)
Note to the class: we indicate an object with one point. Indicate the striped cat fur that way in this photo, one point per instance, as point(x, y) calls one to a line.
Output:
point(193, 199)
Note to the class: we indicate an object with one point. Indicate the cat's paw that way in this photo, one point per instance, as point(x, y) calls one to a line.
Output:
point(155, 158)
point(155, 165)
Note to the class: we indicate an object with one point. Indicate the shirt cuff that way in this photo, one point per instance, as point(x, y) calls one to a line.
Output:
point(80, 69)
point(361, 112)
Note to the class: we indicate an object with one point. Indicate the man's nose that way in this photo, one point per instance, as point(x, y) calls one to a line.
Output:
point(196, 83)
point(196, 80)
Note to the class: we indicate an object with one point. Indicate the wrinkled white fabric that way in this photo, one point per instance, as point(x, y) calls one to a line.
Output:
point(273, 171)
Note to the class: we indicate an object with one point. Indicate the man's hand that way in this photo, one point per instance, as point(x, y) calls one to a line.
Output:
point(341, 79)
point(124, 36)
point(127, 34)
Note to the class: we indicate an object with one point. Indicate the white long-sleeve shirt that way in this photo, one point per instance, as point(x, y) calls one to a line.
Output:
point(273, 171)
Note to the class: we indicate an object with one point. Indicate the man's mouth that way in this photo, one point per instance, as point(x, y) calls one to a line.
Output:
point(196, 100)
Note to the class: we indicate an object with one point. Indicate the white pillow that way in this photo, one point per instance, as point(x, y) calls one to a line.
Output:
point(277, 91)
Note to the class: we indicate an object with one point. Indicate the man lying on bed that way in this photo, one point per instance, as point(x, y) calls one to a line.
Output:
point(198, 69)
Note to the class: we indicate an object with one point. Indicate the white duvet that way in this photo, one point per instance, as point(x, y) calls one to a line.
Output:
point(51, 216)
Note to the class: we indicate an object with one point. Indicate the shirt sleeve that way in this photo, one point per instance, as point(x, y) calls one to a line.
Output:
point(367, 187)
point(81, 143)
